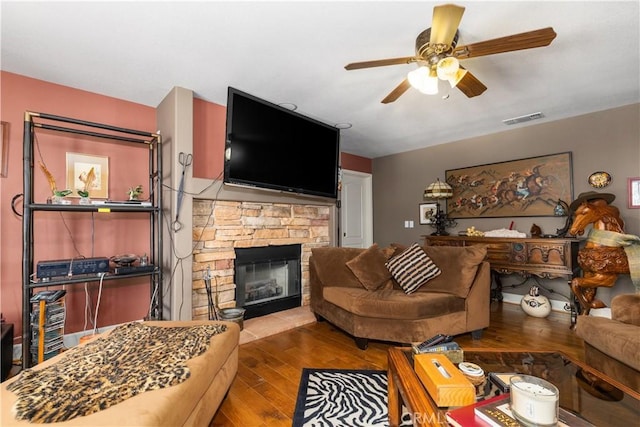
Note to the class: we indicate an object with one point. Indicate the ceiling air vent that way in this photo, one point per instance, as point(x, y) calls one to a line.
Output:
point(522, 119)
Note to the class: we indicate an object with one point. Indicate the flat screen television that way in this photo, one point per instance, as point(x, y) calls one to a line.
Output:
point(268, 146)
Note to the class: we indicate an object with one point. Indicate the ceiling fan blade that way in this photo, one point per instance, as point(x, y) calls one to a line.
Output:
point(470, 85)
point(399, 90)
point(446, 19)
point(528, 40)
point(380, 63)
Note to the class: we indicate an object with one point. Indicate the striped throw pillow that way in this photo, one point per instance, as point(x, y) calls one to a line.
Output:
point(412, 268)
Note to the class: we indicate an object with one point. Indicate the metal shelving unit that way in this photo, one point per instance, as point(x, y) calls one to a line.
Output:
point(104, 133)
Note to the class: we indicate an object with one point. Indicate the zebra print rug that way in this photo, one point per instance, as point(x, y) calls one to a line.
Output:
point(343, 397)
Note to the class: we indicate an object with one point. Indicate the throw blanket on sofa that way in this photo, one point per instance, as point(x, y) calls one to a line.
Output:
point(630, 244)
point(134, 358)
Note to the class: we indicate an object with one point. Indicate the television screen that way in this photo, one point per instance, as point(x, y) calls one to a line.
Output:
point(268, 146)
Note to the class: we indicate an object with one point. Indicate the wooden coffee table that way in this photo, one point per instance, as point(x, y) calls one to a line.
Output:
point(583, 390)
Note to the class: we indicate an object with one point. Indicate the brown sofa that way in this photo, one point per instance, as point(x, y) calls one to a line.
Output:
point(189, 403)
point(353, 289)
point(613, 345)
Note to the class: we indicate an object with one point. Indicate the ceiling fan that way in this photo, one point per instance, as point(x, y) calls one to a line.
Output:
point(438, 55)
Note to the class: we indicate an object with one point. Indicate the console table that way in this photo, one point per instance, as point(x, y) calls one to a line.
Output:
point(548, 258)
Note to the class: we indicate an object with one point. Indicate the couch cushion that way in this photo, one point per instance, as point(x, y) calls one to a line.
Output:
point(393, 304)
point(459, 266)
point(330, 263)
point(625, 308)
point(412, 268)
point(398, 248)
point(369, 267)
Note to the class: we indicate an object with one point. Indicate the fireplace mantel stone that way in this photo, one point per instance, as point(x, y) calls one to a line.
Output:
point(220, 226)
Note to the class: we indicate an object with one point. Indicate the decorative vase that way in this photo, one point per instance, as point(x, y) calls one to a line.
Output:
point(84, 201)
point(60, 200)
point(534, 304)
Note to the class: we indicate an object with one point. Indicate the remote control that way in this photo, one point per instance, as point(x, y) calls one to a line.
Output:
point(437, 339)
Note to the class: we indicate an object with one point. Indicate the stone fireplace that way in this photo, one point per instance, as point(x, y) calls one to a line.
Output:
point(221, 227)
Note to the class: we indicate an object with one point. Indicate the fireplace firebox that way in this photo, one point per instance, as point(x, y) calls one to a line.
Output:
point(268, 279)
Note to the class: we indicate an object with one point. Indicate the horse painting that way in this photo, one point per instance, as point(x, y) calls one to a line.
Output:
point(601, 263)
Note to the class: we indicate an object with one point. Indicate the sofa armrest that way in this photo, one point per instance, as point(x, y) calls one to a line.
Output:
point(315, 284)
point(479, 298)
point(620, 341)
point(625, 308)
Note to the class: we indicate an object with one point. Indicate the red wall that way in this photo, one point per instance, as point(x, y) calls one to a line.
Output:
point(121, 301)
point(356, 163)
point(209, 123)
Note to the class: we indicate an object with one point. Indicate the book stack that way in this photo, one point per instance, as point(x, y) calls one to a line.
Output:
point(450, 349)
point(495, 412)
point(465, 416)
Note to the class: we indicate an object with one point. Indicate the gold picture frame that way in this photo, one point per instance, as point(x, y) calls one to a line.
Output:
point(4, 149)
point(79, 165)
point(633, 185)
point(515, 188)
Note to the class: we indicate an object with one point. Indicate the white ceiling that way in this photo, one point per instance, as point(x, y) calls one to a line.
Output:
point(295, 52)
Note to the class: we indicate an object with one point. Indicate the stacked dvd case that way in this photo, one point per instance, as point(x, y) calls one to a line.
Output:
point(51, 326)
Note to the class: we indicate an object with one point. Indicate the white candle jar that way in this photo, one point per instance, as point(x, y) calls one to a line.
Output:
point(534, 401)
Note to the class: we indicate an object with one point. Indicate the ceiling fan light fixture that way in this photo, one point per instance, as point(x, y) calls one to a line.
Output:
point(447, 68)
point(437, 48)
point(431, 85)
point(424, 80)
point(453, 81)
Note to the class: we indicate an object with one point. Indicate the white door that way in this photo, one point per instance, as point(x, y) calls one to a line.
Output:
point(356, 213)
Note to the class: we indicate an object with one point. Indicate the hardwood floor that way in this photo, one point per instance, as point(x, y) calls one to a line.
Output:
point(265, 389)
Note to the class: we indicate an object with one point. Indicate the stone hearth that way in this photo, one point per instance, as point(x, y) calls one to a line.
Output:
point(221, 226)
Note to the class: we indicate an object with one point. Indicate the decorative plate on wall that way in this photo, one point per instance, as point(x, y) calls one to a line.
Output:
point(599, 179)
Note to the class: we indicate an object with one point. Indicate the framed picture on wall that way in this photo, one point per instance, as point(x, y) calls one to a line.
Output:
point(4, 149)
point(634, 193)
point(523, 187)
point(427, 212)
point(83, 167)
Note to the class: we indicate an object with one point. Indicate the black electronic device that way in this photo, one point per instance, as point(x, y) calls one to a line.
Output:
point(71, 267)
point(131, 269)
point(268, 146)
point(501, 380)
point(436, 339)
point(6, 349)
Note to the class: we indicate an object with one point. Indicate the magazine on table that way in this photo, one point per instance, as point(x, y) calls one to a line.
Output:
point(497, 413)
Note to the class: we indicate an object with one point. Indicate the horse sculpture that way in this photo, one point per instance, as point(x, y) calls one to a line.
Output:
point(600, 263)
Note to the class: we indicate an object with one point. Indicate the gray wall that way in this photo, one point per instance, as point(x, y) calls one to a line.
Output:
point(607, 140)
